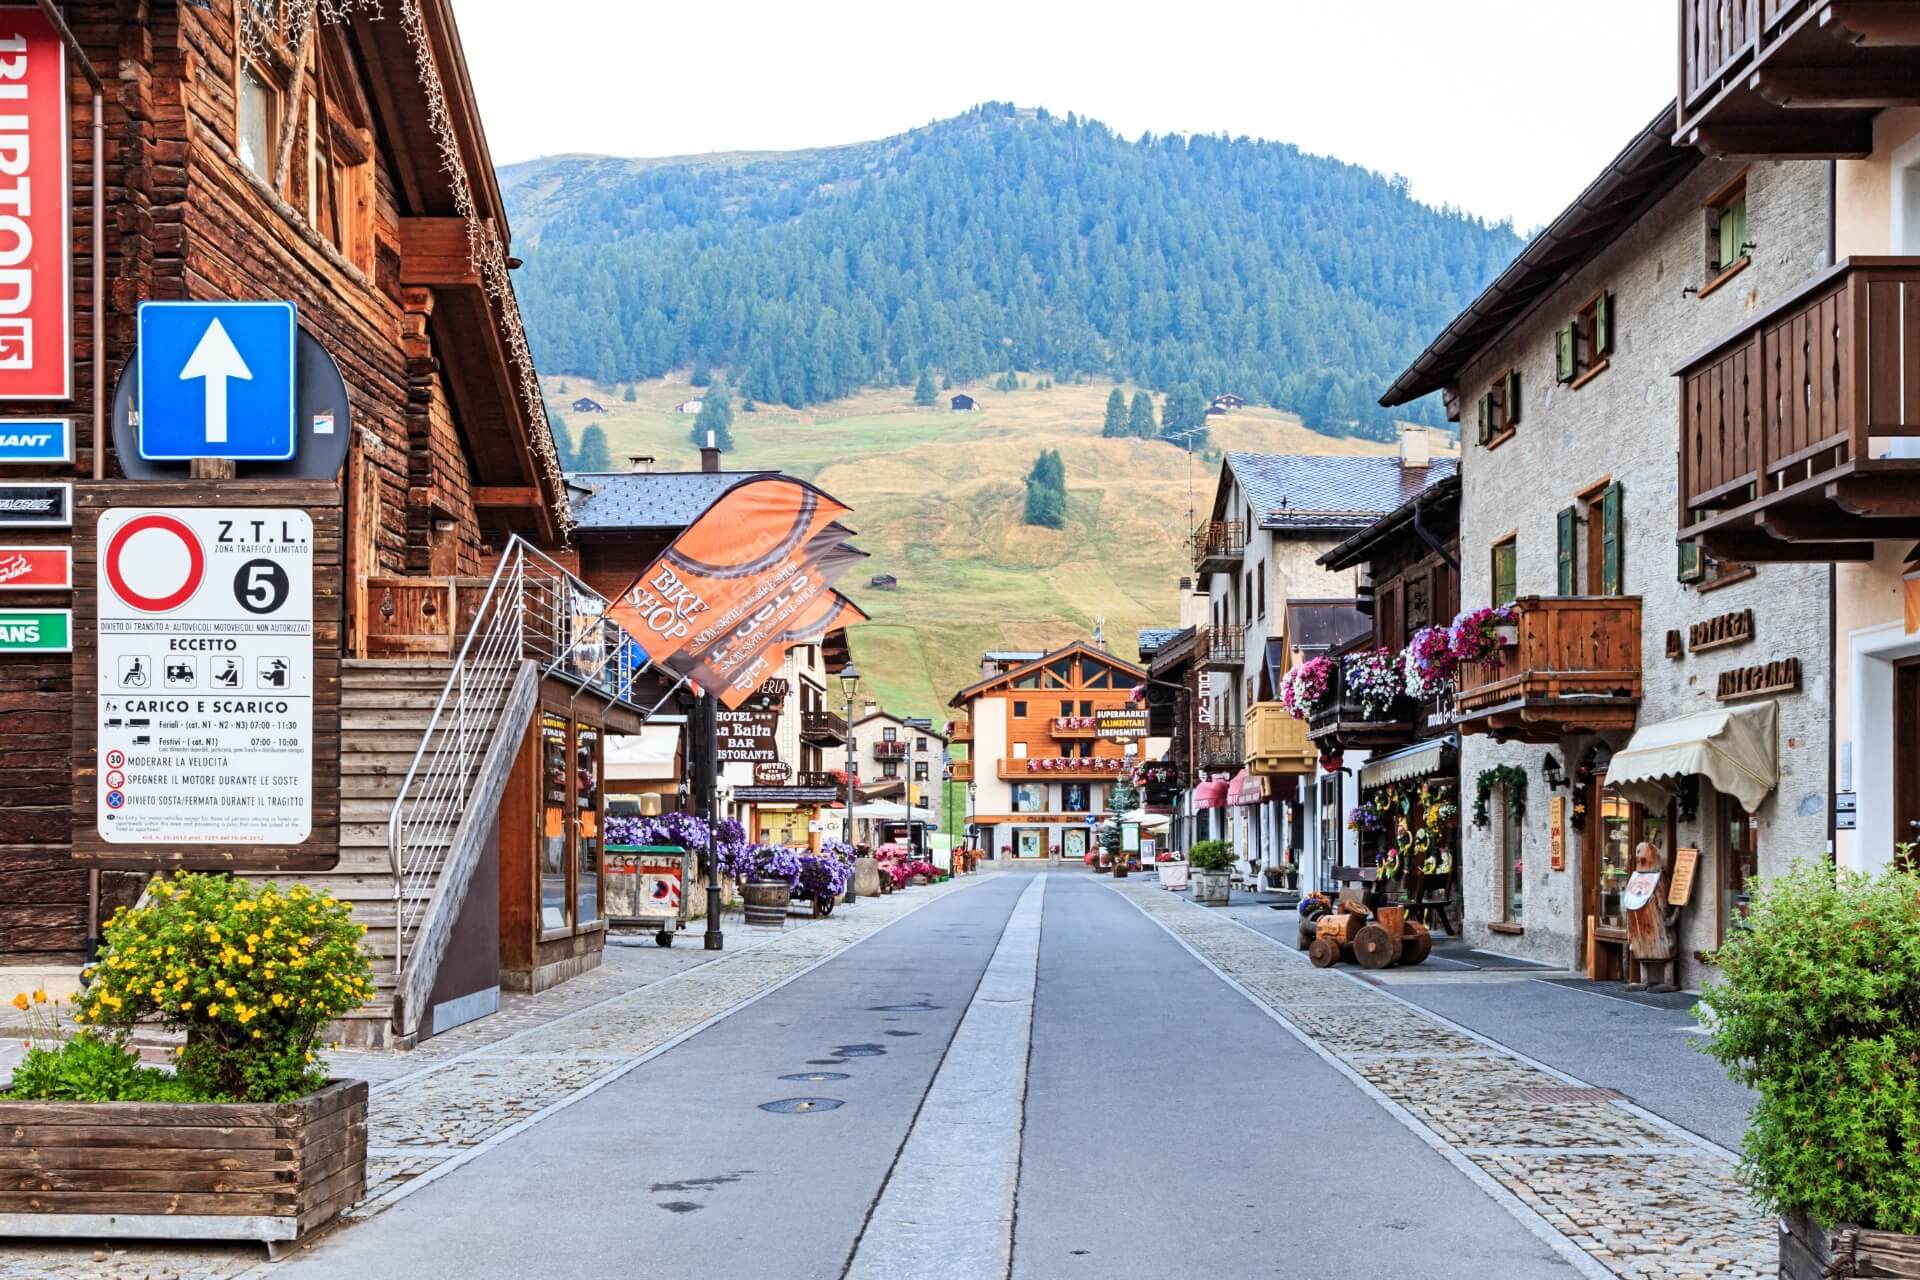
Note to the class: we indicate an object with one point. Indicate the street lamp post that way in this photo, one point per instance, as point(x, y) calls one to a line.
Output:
point(850, 685)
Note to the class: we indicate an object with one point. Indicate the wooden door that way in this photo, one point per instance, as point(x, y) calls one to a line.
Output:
point(1906, 755)
point(1606, 850)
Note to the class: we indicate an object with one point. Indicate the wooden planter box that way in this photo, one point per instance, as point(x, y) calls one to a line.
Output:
point(1809, 1251)
point(183, 1171)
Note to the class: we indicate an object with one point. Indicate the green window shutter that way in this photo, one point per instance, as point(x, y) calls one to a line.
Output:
point(1568, 527)
point(1603, 325)
point(1610, 575)
point(1563, 355)
point(1484, 408)
point(1692, 567)
point(1513, 397)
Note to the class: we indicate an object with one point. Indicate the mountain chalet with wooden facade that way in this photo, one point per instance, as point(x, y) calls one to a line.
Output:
point(1037, 767)
point(343, 169)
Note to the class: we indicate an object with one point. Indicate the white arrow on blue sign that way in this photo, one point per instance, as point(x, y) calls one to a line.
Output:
point(216, 380)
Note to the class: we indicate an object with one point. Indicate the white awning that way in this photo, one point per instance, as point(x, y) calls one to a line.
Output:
point(1734, 748)
point(893, 811)
point(1147, 821)
point(652, 755)
point(1416, 761)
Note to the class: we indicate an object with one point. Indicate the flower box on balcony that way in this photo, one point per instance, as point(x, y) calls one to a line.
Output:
point(1574, 668)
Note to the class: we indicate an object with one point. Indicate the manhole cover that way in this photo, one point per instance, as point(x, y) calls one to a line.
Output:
point(818, 1077)
point(800, 1106)
point(1569, 1093)
point(859, 1050)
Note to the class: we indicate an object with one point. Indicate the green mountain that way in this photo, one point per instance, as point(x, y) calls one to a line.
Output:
point(1001, 239)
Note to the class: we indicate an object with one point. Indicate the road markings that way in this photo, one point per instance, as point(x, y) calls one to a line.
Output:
point(947, 1207)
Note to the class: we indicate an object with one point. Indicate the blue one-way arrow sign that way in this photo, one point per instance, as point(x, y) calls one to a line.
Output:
point(216, 380)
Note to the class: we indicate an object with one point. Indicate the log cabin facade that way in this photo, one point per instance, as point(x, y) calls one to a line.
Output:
point(339, 166)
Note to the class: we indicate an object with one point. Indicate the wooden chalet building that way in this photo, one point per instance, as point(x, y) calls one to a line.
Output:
point(341, 167)
point(1037, 763)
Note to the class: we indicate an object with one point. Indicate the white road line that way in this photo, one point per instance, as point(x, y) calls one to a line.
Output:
point(947, 1207)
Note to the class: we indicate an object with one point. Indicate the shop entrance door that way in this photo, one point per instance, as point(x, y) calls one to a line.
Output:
point(1906, 755)
point(1029, 842)
point(1615, 828)
point(1073, 844)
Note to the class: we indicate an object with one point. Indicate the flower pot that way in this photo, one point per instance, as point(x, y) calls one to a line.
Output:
point(263, 1171)
point(1212, 888)
point(916, 880)
point(767, 902)
point(1810, 1251)
point(1507, 635)
point(1173, 875)
point(866, 876)
point(1120, 870)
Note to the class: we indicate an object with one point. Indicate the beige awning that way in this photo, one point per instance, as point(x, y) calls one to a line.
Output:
point(1734, 748)
point(1416, 761)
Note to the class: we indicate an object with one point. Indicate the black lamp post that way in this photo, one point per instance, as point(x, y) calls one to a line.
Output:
point(850, 685)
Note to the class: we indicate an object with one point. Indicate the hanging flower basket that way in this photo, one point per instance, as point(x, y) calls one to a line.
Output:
point(1305, 688)
point(1374, 678)
point(1478, 635)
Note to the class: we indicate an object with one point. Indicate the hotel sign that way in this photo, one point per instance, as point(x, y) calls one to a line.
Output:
point(36, 292)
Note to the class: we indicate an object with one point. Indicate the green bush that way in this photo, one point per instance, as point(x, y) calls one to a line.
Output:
point(92, 1067)
point(1210, 855)
point(1820, 1013)
point(252, 974)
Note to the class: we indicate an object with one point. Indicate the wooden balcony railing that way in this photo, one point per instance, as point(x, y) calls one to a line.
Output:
point(416, 617)
point(1276, 742)
point(1574, 669)
point(1790, 78)
point(961, 771)
point(1716, 37)
point(960, 729)
point(884, 750)
point(1223, 646)
point(823, 726)
point(1218, 544)
point(1221, 748)
point(1066, 768)
point(1785, 425)
point(1344, 721)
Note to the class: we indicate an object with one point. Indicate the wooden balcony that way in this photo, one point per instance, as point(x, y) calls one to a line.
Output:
point(1220, 749)
point(1343, 722)
point(1277, 743)
point(1792, 78)
point(960, 729)
point(1223, 647)
point(823, 727)
point(1062, 768)
point(961, 771)
point(1787, 425)
point(1218, 546)
point(1575, 669)
point(895, 750)
point(416, 617)
point(1073, 727)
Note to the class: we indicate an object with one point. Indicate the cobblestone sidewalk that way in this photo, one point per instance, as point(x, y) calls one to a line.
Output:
point(1617, 1190)
point(443, 1104)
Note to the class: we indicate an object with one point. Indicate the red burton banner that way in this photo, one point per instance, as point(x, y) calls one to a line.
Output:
point(36, 288)
point(719, 604)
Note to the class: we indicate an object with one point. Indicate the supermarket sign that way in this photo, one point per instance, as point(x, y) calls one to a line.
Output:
point(36, 294)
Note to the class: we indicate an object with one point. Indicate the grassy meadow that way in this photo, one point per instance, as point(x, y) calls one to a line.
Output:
point(937, 499)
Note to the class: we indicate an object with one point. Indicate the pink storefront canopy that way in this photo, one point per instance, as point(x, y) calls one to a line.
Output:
point(1211, 794)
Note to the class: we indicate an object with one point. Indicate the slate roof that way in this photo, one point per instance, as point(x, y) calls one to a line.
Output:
point(645, 499)
point(1012, 655)
point(1321, 491)
point(1152, 638)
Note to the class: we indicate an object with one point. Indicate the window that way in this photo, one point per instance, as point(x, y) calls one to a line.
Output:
point(1727, 243)
point(1074, 797)
point(1599, 572)
point(889, 768)
point(1030, 797)
point(920, 745)
point(1506, 559)
point(1498, 410)
point(1260, 588)
point(1740, 861)
point(1086, 706)
point(919, 770)
point(1512, 854)
point(1066, 706)
point(893, 735)
point(1019, 711)
point(1581, 349)
point(257, 120)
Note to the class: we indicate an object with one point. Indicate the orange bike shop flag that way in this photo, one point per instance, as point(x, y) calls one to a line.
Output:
point(714, 606)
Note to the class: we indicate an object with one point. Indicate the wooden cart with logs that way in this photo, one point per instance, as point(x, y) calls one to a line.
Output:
point(1373, 938)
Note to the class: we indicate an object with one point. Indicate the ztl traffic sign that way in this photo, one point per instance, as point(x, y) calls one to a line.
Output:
point(216, 380)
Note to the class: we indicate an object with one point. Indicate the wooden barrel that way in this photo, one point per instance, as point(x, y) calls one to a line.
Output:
point(767, 902)
point(1324, 953)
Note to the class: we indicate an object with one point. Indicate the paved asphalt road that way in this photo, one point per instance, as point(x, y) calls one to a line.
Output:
point(1170, 1128)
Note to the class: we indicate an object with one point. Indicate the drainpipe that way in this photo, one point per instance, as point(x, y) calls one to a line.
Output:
point(1432, 543)
point(1833, 581)
point(100, 428)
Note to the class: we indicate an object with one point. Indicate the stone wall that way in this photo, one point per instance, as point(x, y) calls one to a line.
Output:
point(1622, 426)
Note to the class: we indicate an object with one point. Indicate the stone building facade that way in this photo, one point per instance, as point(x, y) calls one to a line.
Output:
point(1539, 488)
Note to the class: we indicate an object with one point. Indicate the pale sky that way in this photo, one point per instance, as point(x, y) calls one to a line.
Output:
point(1504, 107)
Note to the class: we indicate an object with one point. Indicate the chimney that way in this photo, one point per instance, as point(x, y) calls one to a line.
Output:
point(868, 708)
point(640, 463)
point(1100, 634)
point(1415, 448)
point(710, 455)
point(1193, 605)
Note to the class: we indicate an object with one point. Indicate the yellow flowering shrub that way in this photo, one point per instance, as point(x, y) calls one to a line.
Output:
point(252, 973)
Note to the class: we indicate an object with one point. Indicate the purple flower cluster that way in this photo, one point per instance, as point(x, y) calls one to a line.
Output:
point(822, 876)
point(1374, 678)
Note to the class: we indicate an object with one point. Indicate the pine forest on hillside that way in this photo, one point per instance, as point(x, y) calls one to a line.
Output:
point(999, 240)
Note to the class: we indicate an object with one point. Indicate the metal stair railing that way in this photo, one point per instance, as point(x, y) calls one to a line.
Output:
point(534, 609)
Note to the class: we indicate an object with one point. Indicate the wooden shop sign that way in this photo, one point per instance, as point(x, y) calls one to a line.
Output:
point(1557, 834)
point(1718, 633)
point(1685, 862)
point(1781, 676)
